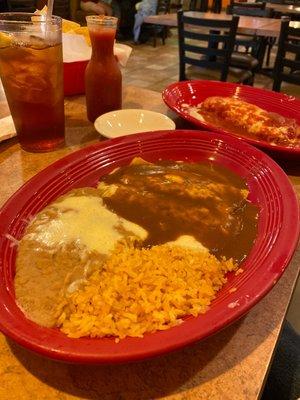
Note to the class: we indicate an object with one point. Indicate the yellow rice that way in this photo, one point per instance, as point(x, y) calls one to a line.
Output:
point(143, 290)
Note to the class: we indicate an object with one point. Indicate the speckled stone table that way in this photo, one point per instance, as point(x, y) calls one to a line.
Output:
point(231, 365)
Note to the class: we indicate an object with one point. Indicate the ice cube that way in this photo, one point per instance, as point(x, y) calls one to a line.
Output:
point(37, 42)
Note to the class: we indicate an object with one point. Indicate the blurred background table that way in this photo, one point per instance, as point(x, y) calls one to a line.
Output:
point(232, 364)
point(284, 9)
point(247, 25)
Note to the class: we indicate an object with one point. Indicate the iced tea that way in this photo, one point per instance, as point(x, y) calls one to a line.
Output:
point(32, 77)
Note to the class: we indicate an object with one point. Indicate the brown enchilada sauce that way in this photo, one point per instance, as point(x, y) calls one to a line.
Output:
point(171, 199)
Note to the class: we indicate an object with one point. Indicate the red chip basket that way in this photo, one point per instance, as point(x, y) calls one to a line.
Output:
point(74, 77)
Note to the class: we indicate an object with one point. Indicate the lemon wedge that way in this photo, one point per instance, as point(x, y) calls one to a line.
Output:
point(39, 15)
point(5, 39)
point(43, 11)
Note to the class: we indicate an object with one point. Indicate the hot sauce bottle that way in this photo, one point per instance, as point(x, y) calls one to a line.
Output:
point(103, 79)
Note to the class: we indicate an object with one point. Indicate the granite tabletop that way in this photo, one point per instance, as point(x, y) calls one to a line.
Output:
point(232, 364)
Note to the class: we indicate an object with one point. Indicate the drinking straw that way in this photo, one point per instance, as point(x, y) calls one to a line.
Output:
point(49, 10)
point(49, 16)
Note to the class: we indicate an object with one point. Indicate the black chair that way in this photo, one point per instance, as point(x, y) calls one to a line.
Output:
point(217, 54)
point(250, 12)
point(249, 6)
point(255, 45)
point(287, 69)
point(3, 6)
point(21, 5)
point(163, 7)
point(293, 15)
point(176, 5)
point(62, 8)
point(216, 6)
point(286, 2)
point(198, 5)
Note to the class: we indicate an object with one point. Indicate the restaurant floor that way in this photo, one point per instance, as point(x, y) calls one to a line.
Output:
point(154, 68)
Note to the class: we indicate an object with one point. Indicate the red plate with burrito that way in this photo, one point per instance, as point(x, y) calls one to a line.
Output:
point(263, 118)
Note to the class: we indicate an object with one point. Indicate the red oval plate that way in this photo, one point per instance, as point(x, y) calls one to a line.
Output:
point(194, 92)
point(278, 231)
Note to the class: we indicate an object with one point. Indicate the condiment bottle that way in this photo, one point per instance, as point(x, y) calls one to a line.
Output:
point(103, 79)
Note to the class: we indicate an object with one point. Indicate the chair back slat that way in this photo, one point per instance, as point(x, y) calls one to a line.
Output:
point(289, 42)
point(294, 32)
point(202, 63)
point(290, 78)
point(292, 47)
point(285, 2)
point(204, 50)
point(257, 4)
point(212, 49)
point(205, 37)
point(246, 6)
point(293, 64)
point(251, 12)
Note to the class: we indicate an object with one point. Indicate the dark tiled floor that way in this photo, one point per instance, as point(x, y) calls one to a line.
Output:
point(155, 68)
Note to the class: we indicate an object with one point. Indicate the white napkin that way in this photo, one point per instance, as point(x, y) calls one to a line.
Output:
point(7, 128)
point(122, 52)
point(75, 48)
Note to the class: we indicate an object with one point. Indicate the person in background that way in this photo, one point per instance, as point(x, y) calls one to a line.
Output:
point(144, 9)
point(104, 7)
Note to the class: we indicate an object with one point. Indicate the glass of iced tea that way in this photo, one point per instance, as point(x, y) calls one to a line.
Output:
point(31, 70)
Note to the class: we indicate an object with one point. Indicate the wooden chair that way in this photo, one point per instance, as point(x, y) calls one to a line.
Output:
point(218, 52)
point(287, 69)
